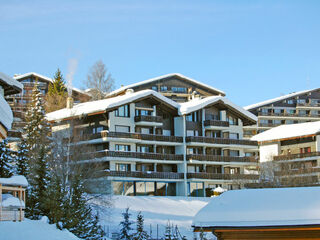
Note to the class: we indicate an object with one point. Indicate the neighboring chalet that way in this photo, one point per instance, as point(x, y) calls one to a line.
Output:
point(273, 213)
point(8, 86)
point(297, 107)
point(12, 198)
point(295, 152)
point(149, 144)
point(19, 101)
point(175, 86)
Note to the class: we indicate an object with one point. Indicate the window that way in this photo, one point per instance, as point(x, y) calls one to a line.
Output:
point(122, 148)
point(122, 167)
point(234, 135)
point(192, 133)
point(179, 89)
point(232, 120)
point(193, 117)
point(290, 101)
point(141, 112)
point(301, 101)
point(305, 150)
point(99, 147)
point(123, 111)
point(97, 129)
point(164, 88)
point(144, 148)
point(120, 128)
point(234, 153)
point(154, 88)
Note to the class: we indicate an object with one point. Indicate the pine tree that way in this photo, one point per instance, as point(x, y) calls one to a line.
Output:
point(38, 143)
point(126, 226)
point(6, 158)
point(78, 217)
point(140, 234)
point(168, 232)
point(56, 97)
point(22, 159)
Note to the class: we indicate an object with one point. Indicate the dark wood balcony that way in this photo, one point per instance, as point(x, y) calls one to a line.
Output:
point(147, 118)
point(148, 137)
point(286, 114)
point(227, 141)
point(138, 155)
point(296, 156)
point(223, 176)
point(148, 174)
point(216, 158)
point(292, 172)
point(216, 123)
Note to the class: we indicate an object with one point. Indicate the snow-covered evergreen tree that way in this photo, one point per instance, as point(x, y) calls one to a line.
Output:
point(140, 234)
point(22, 164)
point(37, 140)
point(6, 159)
point(126, 226)
point(78, 217)
point(168, 232)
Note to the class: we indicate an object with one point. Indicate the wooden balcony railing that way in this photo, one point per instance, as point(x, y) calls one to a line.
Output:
point(221, 141)
point(296, 156)
point(139, 155)
point(216, 158)
point(147, 174)
point(292, 172)
point(223, 176)
point(287, 114)
point(148, 137)
point(146, 118)
point(216, 123)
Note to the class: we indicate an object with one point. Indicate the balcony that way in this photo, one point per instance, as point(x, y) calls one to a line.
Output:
point(216, 158)
point(147, 137)
point(147, 118)
point(223, 176)
point(227, 141)
point(138, 155)
point(216, 123)
point(148, 174)
point(296, 156)
point(286, 114)
point(293, 172)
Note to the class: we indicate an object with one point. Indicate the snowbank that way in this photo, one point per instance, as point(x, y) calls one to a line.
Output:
point(33, 230)
point(156, 211)
point(15, 181)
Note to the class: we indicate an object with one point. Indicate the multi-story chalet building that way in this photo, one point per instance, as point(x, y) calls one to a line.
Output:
point(19, 101)
point(175, 86)
point(295, 152)
point(298, 107)
point(149, 144)
point(8, 86)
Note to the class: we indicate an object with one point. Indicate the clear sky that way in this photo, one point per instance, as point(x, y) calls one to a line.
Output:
point(252, 50)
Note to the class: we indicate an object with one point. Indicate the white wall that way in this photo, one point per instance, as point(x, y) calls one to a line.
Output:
point(267, 151)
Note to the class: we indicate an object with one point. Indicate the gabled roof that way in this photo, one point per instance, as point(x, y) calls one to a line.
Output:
point(288, 131)
point(122, 89)
point(277, 99)
point(261, 207)
point(105, 104)
point(196, 104)
point(10, 85)
point(50, 80)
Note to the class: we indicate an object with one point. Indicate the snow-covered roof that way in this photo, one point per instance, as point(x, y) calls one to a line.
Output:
point(163, 77)
point(277, 99)
point(22, 76)
point(102, 105)
point(11, 82)
point(10, 201)
point(109, 103)
point(14, 181)
point(261, 207)
point(288, 131)
point(6, 116)
point(196, 104)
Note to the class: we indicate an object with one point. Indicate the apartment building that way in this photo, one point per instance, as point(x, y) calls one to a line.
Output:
point(19, 101)
point(7, 86)
point(149, 144)
point(298, 107)
point(295, 152)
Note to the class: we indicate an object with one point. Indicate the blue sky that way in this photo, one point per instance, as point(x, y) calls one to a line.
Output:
point(252, 50)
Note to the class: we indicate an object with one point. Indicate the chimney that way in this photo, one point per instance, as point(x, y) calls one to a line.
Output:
point(69, 102)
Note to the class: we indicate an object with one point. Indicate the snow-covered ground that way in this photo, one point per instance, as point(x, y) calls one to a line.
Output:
point(157, 211)
point(33, 230)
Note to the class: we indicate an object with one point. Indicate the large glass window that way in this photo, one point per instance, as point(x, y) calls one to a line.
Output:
point(122, 148)
point(141, 112)
point(179, 89)
point(164, 88)
point(122, 167)
point(196, 189)
point(123, 111)
point(144, 148)
point(232, 120)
